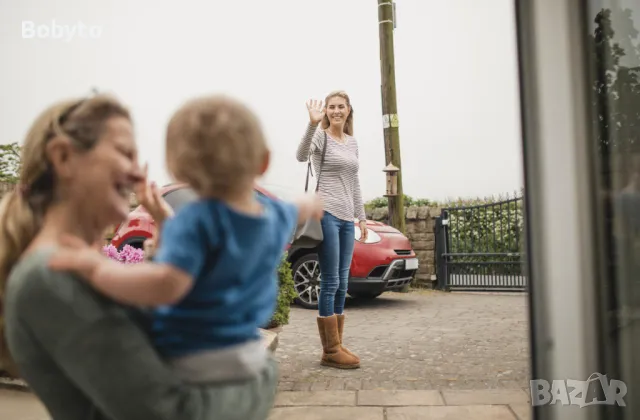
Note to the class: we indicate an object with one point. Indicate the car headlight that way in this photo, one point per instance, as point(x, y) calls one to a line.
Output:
point(372, 237)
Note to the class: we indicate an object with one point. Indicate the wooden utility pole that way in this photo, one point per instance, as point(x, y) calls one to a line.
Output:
point(386, 24)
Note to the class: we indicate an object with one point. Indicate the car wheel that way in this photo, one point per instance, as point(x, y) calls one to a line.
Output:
point(306, 280)
point(364, 296)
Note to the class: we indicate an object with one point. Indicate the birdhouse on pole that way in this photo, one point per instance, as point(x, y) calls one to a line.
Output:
point(391, 172)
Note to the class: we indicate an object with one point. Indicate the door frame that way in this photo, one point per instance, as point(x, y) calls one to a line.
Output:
point(559, 195)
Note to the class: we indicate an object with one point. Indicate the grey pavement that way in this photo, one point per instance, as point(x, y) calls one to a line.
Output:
point(20, 405)
point(423, 340)
point(494, 404)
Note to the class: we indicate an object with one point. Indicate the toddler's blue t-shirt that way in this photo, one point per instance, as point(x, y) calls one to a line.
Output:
point(233, 259)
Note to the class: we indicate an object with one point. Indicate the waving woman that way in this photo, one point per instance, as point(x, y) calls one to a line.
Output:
point(339, 188)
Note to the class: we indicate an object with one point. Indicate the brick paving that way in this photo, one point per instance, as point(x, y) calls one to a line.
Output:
point(423, 340)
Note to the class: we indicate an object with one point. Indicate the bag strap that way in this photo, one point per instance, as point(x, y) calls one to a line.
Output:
point(309, 170)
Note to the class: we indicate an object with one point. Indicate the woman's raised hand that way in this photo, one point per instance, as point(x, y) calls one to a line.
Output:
point(316, 111)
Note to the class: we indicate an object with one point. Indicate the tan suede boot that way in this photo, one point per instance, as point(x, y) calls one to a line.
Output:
point(332, 353)
point(340, 331)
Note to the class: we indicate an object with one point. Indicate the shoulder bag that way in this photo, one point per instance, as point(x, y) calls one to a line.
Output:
point(309, 235)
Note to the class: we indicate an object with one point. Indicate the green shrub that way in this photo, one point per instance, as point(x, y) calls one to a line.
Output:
point(286, 294)
point(381, 202)
point(376, 203)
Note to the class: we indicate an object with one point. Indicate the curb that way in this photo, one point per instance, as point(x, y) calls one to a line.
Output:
point(270, 338)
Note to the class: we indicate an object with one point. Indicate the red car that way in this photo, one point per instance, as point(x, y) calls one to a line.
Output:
point(385, 262)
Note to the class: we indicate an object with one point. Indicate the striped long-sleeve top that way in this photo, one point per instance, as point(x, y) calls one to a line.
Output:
point(339, 185)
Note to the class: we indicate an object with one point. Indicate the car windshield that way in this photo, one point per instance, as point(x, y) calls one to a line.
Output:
point(178, 198)
point(183, 195)
point(280, 192)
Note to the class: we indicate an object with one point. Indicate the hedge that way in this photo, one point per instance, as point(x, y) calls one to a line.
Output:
point(286, 294)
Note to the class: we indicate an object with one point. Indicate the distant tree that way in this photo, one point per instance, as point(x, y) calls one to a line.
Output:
point(616, 87)
point(10, 162)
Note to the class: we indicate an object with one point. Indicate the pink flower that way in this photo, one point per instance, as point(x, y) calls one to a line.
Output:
point(128, 255)
point(111, 252)
point(131, 255)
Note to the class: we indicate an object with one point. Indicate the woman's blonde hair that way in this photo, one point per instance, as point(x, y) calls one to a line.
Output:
point(348, 125)
point(82, 121)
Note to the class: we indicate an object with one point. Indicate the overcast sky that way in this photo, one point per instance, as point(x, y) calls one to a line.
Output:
point(456, 76)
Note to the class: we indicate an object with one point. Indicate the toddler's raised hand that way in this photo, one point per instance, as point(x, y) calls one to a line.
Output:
point(149, 197)
point(310, 207)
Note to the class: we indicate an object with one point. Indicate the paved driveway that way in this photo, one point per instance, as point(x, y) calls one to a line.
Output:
point(424, 340)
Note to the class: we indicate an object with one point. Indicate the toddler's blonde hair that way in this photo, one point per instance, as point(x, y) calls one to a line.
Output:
point(216, 145)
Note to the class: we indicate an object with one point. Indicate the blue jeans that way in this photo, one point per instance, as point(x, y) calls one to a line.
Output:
point(335, 255)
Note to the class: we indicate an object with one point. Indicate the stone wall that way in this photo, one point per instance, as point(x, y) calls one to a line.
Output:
point(420, 223)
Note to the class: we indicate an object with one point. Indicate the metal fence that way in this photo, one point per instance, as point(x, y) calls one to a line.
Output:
point(479, 247)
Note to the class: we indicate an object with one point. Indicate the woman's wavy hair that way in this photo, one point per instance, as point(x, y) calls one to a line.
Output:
point(348, 125)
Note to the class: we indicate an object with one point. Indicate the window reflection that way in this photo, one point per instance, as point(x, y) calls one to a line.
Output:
point(614, 54)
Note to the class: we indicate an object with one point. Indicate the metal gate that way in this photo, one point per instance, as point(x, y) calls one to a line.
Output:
point(479, 247)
